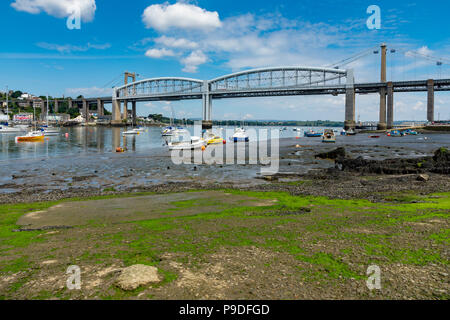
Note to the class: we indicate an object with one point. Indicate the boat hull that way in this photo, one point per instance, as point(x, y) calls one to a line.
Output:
point(30, 139)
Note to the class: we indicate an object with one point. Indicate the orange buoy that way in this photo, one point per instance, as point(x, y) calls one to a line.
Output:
point(119, 150)
point(203, 148)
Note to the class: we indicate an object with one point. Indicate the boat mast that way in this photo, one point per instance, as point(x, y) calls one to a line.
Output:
point(47, 112)
point(7, 103)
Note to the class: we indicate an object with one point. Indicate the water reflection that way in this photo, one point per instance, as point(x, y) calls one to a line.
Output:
point(91, 140)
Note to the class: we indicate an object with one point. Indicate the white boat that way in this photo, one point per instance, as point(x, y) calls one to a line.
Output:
point(49, 131)
point(140, 129)
point(328, 136)
point(8, 129)
point(167, 132)
point(240, 135)
point(131, 132)
point(190, 144)
point(33, 136)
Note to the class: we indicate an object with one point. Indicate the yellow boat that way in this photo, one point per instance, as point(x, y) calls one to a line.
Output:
point(216, 140)
point(35, 136)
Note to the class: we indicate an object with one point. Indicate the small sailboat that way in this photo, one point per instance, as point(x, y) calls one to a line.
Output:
point(210, 138)
point(240, 135)
point(167, 131)
point(131, 132)
point(187, 144)
point(33, 136)
point(140, 129)
point(49, 131)
point(329, 136)
point(6, 128)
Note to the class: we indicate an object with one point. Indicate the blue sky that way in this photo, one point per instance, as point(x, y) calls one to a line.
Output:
point(206, 39)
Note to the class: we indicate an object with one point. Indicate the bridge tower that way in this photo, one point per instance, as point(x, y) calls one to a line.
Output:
point(133, 103)
point(207, 106)
point(382, 123)
point(350, 98)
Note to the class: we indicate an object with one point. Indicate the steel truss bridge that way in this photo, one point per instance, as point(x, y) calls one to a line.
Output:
point(270, 82)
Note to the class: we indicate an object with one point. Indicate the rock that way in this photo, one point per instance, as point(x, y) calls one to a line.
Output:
point(333, 155)
point(270, 178)
point(423, 177)
point(137, 275)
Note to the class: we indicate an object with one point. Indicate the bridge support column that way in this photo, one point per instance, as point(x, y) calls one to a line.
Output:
point(430, 100)
point(70, 103)
point(56, 108)
point(382, 123)
point(207, 107)
point(133, 108)
point(350, 100)
point(100, 108)
point(85, 111)
point(125, 110)
point(390, 105)
point(116, 117)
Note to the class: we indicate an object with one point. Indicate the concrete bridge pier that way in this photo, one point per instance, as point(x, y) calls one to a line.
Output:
point(116, 116)
point(70, 103)
point(125, 110)
point(390, 105)
point(85, 111)
point(56, 108)
point(350, 99)
point(430, 100)
point(382, 123)
point(207, 102)
point(133, 110)
point(100, 107)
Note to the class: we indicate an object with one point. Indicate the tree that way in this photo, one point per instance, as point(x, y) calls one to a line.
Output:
point(16, 94)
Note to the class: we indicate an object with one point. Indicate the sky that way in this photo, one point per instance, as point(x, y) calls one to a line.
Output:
point(41, 55)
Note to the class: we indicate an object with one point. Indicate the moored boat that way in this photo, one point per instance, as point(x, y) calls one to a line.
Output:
point(240, 135)
point(33, 136)
point(313, 134)
point(395, 133)
point(187, 144)
point(328, 136)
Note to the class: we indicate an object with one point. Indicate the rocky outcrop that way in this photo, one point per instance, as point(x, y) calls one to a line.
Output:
point(332, 155)
point(135, 276)
point(439, 163)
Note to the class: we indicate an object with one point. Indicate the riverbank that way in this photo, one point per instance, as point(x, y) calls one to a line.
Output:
point(227, 232)
point(232, 244)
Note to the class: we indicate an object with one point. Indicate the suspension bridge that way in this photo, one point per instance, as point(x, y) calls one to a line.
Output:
point(271, 82)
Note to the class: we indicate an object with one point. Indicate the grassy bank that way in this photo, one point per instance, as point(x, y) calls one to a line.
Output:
point(263, 245)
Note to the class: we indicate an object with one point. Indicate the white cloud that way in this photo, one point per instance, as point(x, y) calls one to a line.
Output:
point(176, 42)
point(68, 48)
point(58, 8)
point(163, 17)
point(192, 61)
point(159, 53)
